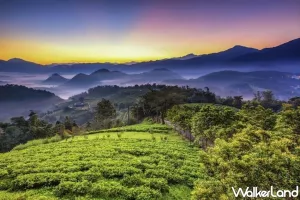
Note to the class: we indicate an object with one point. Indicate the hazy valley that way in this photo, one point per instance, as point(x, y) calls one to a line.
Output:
point(238, 71)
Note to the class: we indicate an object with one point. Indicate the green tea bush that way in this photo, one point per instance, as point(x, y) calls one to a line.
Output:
point(109, 168)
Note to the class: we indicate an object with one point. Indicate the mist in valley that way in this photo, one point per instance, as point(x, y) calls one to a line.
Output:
point(222, 80)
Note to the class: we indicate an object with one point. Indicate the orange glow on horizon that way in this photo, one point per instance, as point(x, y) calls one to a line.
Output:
point(134, 48)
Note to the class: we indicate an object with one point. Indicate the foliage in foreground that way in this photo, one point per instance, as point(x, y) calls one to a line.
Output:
point(107, 168)
point(252, 147)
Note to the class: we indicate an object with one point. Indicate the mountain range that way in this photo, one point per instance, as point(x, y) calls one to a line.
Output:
point(231, 83)
point(101, 76)
point(237, 55)
point(224, 82)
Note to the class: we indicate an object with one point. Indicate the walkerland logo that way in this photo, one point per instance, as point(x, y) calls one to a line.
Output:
point(255, 192)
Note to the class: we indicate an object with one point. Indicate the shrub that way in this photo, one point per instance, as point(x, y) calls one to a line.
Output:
point(153, 138)
point(145, 193)
point(133, 180)
point(119, 135)
point(159, 184)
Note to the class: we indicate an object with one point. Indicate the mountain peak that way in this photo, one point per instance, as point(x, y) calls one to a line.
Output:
point(289, 51)
point(55, 79)
point(239, 47)
point(186, 57)
point(56, 75)
point(101, 71)
point(190, 54)
point(16, 60)
point(238, 50)
point(80, 75)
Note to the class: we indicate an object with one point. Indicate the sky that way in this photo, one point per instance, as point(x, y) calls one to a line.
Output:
point(67, 31)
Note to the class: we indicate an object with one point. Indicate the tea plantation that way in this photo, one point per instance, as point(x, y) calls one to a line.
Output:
point(137, 162)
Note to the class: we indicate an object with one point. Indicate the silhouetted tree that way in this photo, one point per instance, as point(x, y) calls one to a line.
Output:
point(237, 101)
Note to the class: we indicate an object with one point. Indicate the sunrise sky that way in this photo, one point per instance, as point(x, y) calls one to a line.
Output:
point(62, 31)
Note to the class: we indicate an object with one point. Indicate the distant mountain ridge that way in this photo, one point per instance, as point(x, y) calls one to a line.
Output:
point(95, 78)
point(287, 52)
point(231, 82)
point(186, 57)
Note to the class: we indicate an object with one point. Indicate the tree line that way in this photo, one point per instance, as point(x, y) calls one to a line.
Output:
point(20, 130)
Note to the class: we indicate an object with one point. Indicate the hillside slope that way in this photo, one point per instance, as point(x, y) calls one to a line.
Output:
point(16, 100)
point(135, 165)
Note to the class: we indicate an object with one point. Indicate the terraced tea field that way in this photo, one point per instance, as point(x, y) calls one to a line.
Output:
point(127, 164)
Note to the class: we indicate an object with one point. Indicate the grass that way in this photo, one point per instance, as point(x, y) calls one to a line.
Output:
point(110, 164)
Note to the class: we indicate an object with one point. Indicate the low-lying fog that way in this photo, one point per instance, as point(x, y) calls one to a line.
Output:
point(35, 80)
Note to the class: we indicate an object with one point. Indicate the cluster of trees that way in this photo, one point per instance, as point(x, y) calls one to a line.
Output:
point(158, 100)
point(152, 100)
point(261, 153)
point(21, 130)
point(154, 103)
point(253, 146)
point(106, 90)
point(264, 98)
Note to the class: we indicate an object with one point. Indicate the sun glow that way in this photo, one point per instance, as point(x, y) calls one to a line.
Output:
point(45, 53)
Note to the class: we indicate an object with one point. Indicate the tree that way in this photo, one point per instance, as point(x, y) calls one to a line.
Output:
point(19, 121)
point(253, 157)
point(257, 96)
point(237, 101)
point(105, 114)
point(268, 96)
point(33, 119)
point(228, 101)
point(155, 103)
point(295, 101)
point(289, 118)
point(60, 129)
point(13, 136)
point(267, 99)
point(88, 126)
point(201, 96)
point(105, 110)
point(68, 123)
point(208, 120)
point(1, 132)
point(74, 123)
